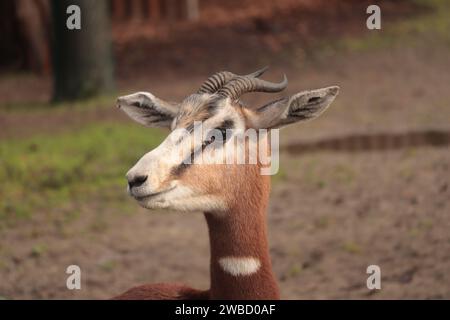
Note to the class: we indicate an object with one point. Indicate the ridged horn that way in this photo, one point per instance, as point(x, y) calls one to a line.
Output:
point(239, 85)
point(219, 79)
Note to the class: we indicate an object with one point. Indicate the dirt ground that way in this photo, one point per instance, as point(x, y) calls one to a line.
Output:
point(331, 215)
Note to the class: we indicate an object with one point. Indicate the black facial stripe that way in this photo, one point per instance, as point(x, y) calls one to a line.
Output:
point(226, 124)
point(211, 109)
point(178, 170)
point(190, 128)
point(189, 160)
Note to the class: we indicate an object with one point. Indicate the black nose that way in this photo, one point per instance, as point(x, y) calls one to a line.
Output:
point(137, 181)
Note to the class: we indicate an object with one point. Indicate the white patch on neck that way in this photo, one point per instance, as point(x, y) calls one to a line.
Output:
point(242, 266)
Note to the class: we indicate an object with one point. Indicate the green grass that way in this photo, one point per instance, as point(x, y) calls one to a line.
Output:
point(43, 171)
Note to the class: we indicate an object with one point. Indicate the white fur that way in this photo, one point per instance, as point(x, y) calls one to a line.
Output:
point(183, 198)
point(240, 266)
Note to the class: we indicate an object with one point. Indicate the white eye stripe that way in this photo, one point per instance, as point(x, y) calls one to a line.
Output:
point(240, 266)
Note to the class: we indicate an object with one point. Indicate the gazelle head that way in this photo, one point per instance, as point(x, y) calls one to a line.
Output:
point(171, 176)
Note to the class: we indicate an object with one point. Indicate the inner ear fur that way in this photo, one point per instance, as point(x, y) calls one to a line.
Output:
point(305, 105)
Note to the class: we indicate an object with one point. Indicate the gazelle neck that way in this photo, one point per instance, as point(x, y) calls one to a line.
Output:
point(240, 262)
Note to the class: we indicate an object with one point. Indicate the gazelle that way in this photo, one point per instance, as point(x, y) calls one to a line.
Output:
point(233, 197)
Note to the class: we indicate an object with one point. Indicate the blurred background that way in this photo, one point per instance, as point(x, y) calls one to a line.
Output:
point(366, 183)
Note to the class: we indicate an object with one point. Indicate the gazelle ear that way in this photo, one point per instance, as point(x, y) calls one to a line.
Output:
point(145, 108)
point(302, 106)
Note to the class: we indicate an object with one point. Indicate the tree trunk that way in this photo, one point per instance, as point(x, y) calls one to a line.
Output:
point(154, 10)
point(82, 59)
point(136, 10)
point(192, 10)
point(172, 7)
point(33, 21)
point(119, 10)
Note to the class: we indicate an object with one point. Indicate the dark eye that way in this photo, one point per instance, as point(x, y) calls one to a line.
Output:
point(212, 138)
point(209, 140)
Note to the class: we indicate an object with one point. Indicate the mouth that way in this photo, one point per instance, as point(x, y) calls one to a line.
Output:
point(152, 195)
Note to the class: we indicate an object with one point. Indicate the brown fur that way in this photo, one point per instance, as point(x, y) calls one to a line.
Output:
point(242, 232)
point(163, 291)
